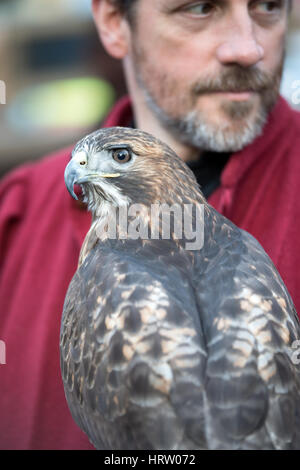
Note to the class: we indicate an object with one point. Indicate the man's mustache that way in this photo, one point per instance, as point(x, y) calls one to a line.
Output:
point(238, 79)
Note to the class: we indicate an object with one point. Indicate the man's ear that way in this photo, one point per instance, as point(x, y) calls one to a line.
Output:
point(113, 28)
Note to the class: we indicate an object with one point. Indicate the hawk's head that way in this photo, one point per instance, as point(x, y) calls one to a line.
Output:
point(122, 165)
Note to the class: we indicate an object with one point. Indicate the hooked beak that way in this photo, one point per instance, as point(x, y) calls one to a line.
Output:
point(71, 177)
point(76, 175)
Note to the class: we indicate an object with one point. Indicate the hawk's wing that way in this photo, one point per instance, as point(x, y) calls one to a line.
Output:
point(155, 359)
point(132, 351)
point(250, 325)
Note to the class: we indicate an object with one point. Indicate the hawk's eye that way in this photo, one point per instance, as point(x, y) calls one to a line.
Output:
point(121, 155)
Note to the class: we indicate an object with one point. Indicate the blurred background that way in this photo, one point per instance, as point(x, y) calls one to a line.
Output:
point(57, 83)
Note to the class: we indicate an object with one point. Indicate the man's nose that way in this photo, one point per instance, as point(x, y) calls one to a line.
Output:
point(240, 45)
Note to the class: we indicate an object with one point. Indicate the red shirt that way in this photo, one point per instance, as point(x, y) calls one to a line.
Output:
point(41, 231)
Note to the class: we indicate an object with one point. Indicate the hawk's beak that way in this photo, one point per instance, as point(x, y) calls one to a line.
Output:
point(71, 177)
point(76, 175)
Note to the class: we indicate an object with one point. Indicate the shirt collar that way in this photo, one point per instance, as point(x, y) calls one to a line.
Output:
point(240, 162)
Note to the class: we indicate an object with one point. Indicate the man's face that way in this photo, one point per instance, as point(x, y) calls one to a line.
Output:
point(210, 70)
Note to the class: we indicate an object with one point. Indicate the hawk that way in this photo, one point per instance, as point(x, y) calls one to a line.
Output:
point(164, 347)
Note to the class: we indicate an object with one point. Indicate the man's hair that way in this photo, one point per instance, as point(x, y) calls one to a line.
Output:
point(126, 7)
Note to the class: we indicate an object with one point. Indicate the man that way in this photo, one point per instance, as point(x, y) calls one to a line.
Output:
point(204, 77)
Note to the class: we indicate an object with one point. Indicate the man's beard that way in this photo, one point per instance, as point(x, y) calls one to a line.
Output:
point(193, 127)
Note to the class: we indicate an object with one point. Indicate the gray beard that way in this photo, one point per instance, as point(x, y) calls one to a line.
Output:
point(194, 130)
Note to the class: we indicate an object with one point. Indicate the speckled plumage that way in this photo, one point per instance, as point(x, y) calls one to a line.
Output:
point(165, 348)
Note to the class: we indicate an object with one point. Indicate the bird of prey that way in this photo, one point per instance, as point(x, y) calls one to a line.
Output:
point(164, 347)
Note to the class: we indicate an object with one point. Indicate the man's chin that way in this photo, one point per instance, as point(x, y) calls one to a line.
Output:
point(226, 130)
point(228, 109)
point(216, 124)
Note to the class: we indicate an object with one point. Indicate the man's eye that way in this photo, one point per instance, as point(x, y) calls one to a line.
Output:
point(199, 8)
point(268, 7)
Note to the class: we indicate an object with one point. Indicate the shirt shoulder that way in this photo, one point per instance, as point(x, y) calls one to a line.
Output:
point(50, 166)
point(29, 179)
